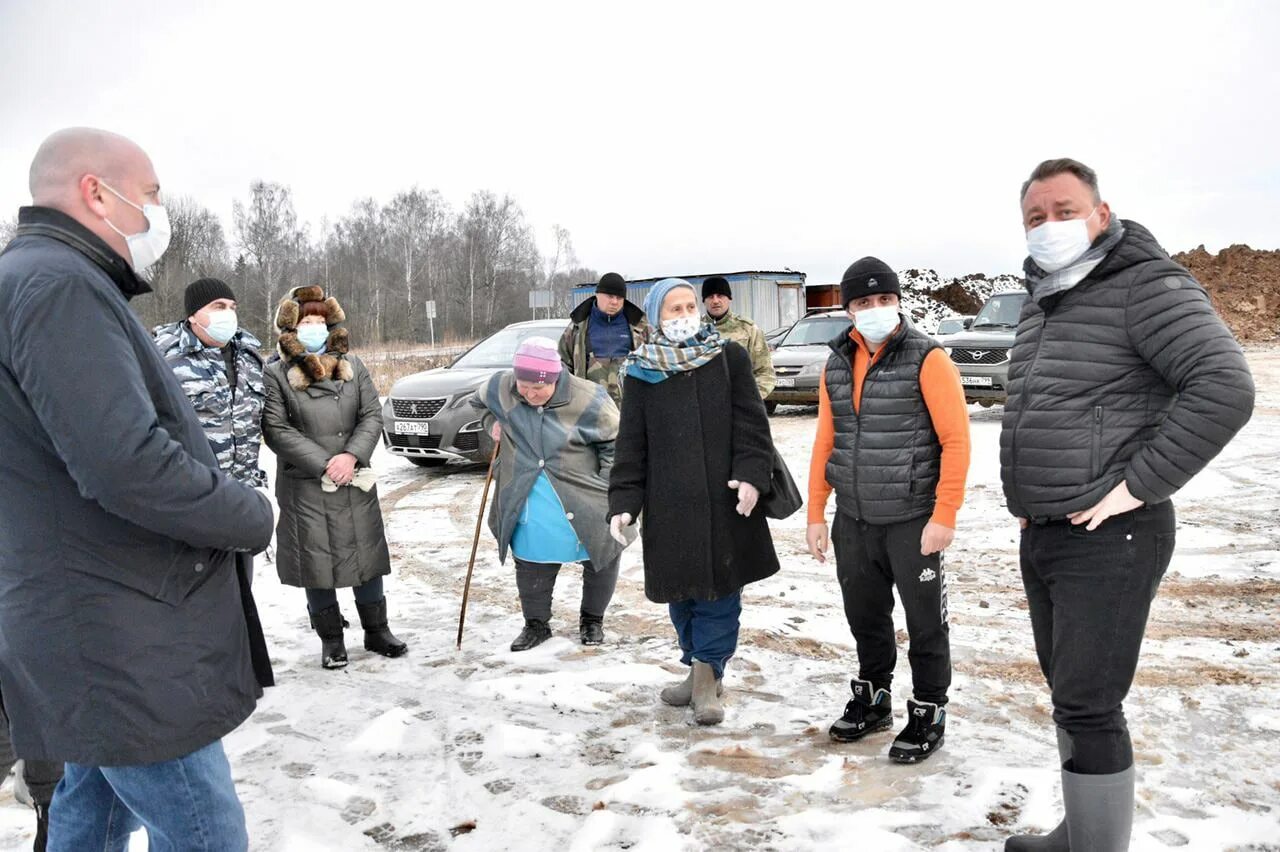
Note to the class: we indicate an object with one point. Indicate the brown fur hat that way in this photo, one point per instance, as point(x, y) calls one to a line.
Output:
point(307, 367)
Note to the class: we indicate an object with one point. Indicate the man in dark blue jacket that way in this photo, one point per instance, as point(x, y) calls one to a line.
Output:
point(123, 646)
point(1123, 384)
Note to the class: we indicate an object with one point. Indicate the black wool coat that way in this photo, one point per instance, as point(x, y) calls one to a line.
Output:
point(680, 442)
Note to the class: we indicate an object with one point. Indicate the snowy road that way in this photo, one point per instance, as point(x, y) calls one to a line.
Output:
point(566, 748)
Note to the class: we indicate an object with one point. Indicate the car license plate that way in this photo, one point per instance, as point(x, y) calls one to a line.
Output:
point(786, 383)
point(976, 381)
point(403, 428)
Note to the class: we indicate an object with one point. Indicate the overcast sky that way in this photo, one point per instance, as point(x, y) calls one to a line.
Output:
point(681, 137)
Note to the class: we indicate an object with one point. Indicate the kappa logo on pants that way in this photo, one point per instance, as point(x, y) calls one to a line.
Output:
point(927, 574)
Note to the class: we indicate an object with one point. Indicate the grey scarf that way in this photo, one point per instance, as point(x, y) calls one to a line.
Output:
point(1045, 284)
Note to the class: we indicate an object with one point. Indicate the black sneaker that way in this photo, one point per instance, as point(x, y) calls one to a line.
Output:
point(923, 735)
point(591, 629)
point(868, 712)
point(535, 633)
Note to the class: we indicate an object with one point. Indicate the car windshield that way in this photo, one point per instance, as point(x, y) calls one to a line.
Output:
point(498, 350)
point(1000, 311)
point(950, 326)
point(815, 331)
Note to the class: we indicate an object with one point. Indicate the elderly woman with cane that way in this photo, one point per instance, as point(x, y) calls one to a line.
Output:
point(694, 454)
point(552, 475)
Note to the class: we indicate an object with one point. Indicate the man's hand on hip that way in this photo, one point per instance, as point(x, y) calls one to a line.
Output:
point(1117, 502)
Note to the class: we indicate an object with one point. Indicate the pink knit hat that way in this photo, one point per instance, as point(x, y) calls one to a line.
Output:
point(537, 360)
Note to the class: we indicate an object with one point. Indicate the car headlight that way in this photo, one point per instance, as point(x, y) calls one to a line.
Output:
point(473, 426)
point(460, 400)
point(814, 369)
point(947, 349)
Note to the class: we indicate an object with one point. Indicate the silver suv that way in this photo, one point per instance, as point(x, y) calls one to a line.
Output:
point(800, 356)
point(982, 352)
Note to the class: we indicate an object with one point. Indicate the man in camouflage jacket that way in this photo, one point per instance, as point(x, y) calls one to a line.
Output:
point(601, 332)
point(219, 366)
point(718, 298)
point(223, 380)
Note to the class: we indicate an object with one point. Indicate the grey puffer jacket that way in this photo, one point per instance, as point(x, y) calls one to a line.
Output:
point(324, 540)
point(1128, 376)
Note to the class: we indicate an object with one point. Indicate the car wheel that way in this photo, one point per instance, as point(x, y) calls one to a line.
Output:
point(428, 462)
point(770, 407)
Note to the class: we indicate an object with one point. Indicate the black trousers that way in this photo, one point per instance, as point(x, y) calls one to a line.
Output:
point(870, 560)
point(1089, 594)
point(535, 581)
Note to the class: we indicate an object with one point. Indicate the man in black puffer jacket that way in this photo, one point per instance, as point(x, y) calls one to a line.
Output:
point(1123, 384)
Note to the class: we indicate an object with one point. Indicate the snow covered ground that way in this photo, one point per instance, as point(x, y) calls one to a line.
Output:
point(566, 748)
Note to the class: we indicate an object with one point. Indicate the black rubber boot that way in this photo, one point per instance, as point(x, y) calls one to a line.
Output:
point(42, 828)
point(868, 712)
point(328, 624)
point(377, 637)
point(535, 633)
point(591, 629)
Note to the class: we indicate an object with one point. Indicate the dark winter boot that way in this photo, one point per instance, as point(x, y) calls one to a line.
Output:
point(42, 828)
point(328, 624)
point(1099, 810)
point(707, 690)
point(591, 629)
point(377, 638)
point(868, 712)
point(1056, 840)
point(534, 634)
point(923, 735)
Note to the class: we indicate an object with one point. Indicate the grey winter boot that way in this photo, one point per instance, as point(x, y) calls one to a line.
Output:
point(680, 694)
point(1056, 840)
point(1099, 810)
point(706, 695)
point(328, 624)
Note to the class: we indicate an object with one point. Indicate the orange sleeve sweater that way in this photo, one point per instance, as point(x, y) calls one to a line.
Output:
point(944, 398)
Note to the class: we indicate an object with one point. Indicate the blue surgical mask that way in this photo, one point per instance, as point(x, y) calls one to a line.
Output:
point(222, 326)
point(876, 324)
point(313, 335)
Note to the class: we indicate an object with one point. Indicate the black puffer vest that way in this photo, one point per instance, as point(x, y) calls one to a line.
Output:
point(887, 457)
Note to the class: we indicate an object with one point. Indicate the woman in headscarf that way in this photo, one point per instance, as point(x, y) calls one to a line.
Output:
point(694, 454)
point(550, 507)
point(323, 419)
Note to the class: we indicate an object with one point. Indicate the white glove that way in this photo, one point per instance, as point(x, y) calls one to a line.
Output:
point(748, 494)
point(616, 523)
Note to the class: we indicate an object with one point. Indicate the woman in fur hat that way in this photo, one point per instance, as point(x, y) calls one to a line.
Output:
point(323, 419)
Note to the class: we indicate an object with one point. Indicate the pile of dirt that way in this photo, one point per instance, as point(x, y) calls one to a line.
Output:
point(1244, 285)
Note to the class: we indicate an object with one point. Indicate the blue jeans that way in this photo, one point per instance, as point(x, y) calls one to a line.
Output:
point(708, 630)
point(188, 804)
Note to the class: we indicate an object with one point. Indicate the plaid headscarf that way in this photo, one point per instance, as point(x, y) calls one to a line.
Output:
point(660, 360)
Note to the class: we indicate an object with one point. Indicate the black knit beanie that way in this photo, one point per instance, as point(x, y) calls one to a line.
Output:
point(716, 285)
point(612, 284)
point(867, 277)
point(202, 292)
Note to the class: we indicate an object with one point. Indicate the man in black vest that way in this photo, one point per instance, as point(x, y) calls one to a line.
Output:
point(1123, 384)
point(893, 440)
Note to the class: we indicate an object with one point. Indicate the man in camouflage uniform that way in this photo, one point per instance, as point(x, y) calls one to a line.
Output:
point(602, 331)
point(219, 366)
point(718, 298)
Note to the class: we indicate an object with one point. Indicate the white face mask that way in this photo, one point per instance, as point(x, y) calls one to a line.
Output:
point(222, 326)
point(146, 247)
point(680, 329)
point(875, 324)
point(313, 335)
point(1054, 245)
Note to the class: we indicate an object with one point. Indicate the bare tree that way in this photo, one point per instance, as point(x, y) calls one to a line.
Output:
point(197, 249)
point(413, 223)
point(7, 228)
point(267, 232)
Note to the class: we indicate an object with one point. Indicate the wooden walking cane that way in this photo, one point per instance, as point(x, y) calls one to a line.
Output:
point(475, 542)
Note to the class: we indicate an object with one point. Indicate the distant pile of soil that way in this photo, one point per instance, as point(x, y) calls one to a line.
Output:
point(1244, 285)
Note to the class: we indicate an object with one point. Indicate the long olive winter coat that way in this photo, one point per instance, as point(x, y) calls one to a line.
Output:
point(324, 540)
